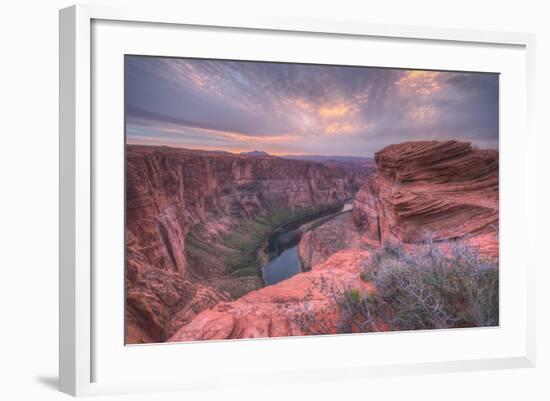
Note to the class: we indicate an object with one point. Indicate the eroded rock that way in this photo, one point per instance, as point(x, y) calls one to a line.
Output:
point(447, 190)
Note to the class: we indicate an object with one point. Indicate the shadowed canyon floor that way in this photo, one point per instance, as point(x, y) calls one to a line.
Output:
point(197, 222)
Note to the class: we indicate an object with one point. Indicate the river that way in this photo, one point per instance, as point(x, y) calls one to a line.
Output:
point(282, 245)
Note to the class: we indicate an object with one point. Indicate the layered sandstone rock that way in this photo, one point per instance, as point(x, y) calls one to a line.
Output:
point(273, 311)
point(336, 234)
point(169, 192)
point(156, 296)
point(357, 229)
point(365, 211)
point(446, 190)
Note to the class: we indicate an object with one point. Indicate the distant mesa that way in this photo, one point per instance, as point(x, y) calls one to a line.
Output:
point(256, 153)
point(218, 152)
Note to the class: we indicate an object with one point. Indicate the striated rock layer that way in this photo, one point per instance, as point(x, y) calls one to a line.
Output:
point(446, 190)
point(175, 196)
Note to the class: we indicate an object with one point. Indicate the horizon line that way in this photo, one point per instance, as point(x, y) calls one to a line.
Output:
point(240, 152)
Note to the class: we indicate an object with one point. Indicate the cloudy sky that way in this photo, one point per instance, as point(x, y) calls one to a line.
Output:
point(303, 109)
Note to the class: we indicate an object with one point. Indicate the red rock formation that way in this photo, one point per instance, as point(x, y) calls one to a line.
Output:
point(448, 189)
point(170, 191)
point(365, 211)
point(159, 301)
point(339, 233)
point(272, 311)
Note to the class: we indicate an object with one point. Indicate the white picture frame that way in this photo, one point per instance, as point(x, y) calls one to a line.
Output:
point(78, 225)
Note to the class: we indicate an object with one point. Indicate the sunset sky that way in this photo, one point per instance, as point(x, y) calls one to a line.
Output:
point(303, 109)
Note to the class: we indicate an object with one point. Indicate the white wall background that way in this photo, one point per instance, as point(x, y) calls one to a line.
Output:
point(29, 185)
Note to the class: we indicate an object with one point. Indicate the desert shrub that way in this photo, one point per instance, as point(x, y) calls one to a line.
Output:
point(438, 285)
point(352, 296)
point(435, 285)
point(354, 309)
point(391, 249)
point(366, 275)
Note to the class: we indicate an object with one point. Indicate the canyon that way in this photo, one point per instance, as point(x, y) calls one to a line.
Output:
point(197, 222)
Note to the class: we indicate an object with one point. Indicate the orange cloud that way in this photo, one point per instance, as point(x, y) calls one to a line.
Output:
point(419, 82)
point(338, 117)
point(335, 111)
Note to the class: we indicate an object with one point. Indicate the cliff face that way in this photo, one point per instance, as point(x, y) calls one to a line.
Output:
point(446, 188)
point(179, 200)
point(339, 233)
point(275, 311)
point(365, 211)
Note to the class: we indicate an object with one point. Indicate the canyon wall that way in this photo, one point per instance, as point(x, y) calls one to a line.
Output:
point(187, 216)
point(447, 190)
point(339, 233)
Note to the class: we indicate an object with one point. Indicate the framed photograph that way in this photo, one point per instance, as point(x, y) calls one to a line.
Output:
point(274, 199)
